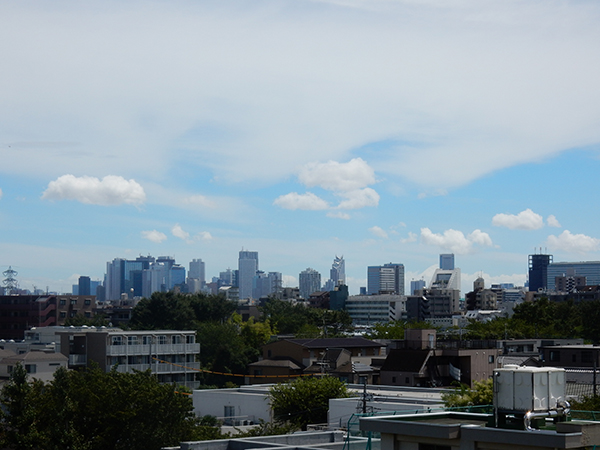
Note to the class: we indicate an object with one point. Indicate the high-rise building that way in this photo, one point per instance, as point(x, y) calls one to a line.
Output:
point(247, 266)
point(588, 269)
point(265, 284)
point(309, 282)
point(538, 272)
point(197, 270)
point(338, 271)
point(386, 279)
point(415, 285)
point(447, 261)
point(85, 286)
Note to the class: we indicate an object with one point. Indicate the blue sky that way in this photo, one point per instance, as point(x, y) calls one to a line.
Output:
point(383, 131)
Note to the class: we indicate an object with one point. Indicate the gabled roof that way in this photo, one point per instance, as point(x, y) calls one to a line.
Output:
point(349, 342)
point(405, 360)
point(286, 363)
point(33, 356)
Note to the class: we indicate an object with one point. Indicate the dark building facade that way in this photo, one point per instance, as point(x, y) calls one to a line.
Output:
point(538, 271)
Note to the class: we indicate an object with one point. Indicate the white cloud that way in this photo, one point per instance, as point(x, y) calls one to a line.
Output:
point(111, 190)
point(359, 198)
point(0, 193)
point(204, 235)
point(154, 236)
point(308, 201)
point(178, 232)
point(573, 243)
point(525, 220)
point(338, 177)
point(338, 215)
point(379, 232)
point(412, 237)
point(433, 193)
point(455, 240)
point(200, 200)
point(553, 221)
point(289, 281)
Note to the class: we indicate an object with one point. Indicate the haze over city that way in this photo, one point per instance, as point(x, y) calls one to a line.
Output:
point(383, 131)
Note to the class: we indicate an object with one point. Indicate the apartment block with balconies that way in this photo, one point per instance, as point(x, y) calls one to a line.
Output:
point(170, 354)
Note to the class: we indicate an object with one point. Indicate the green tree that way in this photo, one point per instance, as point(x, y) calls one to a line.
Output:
point(305, 400)
point(481, 394)
point(20, 399)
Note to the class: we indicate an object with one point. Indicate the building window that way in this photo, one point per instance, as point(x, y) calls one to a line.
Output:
point(554, 355)
point(491, 359)
point(146, 340)
point(30, 368)
point(190, 339)
point(62, 302)
point(63, 314)
point(87, 302)
point(73, 302)
point(9, 369)
point(161, 340)
point(176, 339)
point(117, 340)
point(229, 411)
point(393, 379)
point(132, 340)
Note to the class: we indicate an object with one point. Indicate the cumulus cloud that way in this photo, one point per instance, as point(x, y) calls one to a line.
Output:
point(455, 240)
point(412, 237)
point(338, 177)
point(308, 201)
point(379, 232)
point(204, 235)
point(525, 220)
point(359, 198)
point(553, 221)
point(154, 236)
point(338, 215)
point(573, 243)
point(346, 180)
point(178, 232)
point(110, 190)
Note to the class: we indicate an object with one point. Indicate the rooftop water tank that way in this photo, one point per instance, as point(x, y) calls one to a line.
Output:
point(522, 389)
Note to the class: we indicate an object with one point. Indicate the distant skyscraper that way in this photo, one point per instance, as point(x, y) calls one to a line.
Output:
point(415, 285)
point(447, 261)
point(226, 277)
point(309, 282)
point(85, 286)
point(247, 266)
point(386, 279)
point(265, 284)
point(338, 271)
point(197, 270)
point(588, 269)
point(538, 272)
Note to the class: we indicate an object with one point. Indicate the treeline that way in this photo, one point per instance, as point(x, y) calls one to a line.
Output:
point(539, 319)
point(94, 410)
point(227, 343)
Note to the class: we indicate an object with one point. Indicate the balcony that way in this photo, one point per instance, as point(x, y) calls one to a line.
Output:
point(154, 349)
point(77, 360)
point(160, 368)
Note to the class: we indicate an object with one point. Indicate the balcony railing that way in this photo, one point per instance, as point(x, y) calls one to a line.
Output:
point(77, 360)
point(154, 349)
point(160, 368)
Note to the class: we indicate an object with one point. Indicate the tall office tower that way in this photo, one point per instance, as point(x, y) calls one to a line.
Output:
point(338, 271)
point(85, 286)
point(590, 270)
point(538, 272)
point(309, 282)
point(386, 279)
point(415, 285)
point(265, 284)
point(247, 266)
point(197, 270)
point(227, 277)
point(447, 261)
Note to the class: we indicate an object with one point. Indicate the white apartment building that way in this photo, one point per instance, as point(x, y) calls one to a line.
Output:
point(170, 354)
point(369, 309)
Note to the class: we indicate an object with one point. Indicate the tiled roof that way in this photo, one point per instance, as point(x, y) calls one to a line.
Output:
point(349, 342)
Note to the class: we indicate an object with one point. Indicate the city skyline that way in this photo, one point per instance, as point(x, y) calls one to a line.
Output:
point(380, 131)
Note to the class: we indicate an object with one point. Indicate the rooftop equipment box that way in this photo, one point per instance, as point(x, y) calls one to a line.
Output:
point(523, 389)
